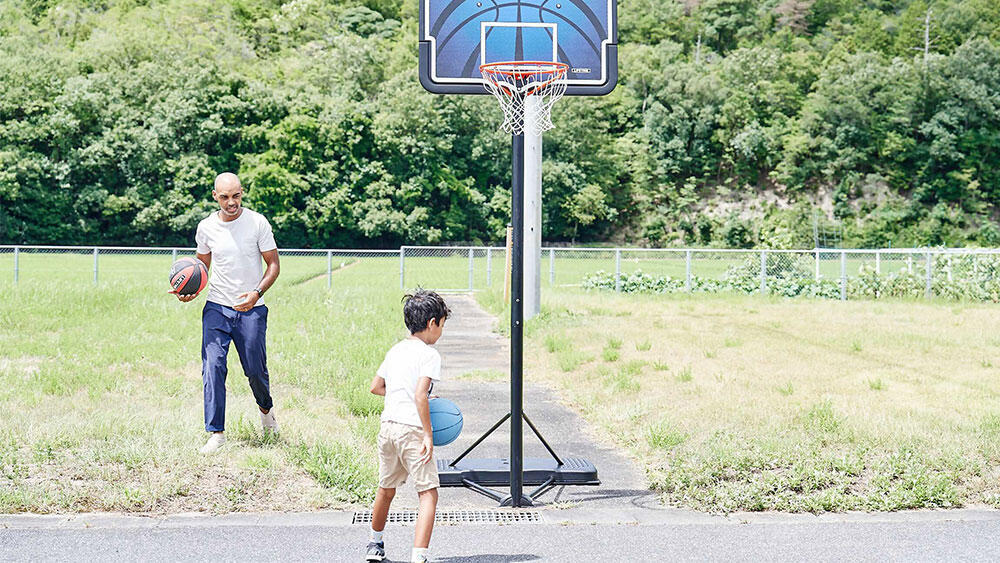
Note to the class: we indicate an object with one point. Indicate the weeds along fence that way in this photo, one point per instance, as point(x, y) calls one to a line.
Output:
point(972, 274)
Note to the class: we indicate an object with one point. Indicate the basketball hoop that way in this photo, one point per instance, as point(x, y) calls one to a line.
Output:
point(526, 90)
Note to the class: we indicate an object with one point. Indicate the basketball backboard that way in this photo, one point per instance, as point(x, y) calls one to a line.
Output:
point(457, 36)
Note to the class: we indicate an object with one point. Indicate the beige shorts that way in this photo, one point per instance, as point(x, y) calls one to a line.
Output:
point(399, 458)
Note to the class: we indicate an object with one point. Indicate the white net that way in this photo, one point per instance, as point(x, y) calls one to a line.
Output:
point(526, 92)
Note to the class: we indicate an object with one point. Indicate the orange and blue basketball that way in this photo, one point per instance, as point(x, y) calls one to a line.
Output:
point(188, 276)
point(446, 421)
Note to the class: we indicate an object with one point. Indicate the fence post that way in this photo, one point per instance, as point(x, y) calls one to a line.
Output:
point(618, 269)
point(928, 292)
point(909, 263)
point(949, 268)
point(687, 271)
point(878, 262)
point(489, 266)
point(817, 265)
point(173, 255)
point(471, 275)
point(17, 256)
point(843, 276)
point(402, 267)
point(329, 269)
point(552, 266)
point(95, 265)
point(763, 271)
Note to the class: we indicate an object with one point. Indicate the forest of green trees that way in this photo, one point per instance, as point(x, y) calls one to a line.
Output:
point(735, 123)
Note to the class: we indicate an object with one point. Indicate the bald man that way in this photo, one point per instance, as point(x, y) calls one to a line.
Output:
point(232, 242)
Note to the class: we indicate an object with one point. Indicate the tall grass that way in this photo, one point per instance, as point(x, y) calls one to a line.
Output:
point(107, 386)
point(777, 404)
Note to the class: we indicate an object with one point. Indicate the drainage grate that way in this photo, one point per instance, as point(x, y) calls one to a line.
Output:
point(456, 517)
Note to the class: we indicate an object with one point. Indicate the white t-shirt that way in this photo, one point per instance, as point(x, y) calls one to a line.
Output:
point(404, 365)
point(236, 248)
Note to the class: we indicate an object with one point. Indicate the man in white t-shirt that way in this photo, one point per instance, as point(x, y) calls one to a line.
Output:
point(232, 242)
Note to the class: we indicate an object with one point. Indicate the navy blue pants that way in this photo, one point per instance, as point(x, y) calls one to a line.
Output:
point(221, 325)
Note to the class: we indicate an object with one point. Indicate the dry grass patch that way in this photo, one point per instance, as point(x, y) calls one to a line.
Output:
point(786, 404)
point(108, 394)
point(137, 452)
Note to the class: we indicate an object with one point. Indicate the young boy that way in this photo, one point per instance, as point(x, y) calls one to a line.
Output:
point(405, 439)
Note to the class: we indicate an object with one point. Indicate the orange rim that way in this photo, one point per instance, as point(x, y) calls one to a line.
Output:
point(496, 68)
point(557, 70)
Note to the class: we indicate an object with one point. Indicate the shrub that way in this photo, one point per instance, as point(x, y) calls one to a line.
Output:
point(958, 277)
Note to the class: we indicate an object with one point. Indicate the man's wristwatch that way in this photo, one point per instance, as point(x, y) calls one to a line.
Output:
point(259, 292)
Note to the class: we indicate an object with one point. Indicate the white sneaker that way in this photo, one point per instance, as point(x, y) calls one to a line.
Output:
point(213, 444)
point(268, 422)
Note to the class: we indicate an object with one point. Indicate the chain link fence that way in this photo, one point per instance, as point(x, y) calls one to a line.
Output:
point(972, 274)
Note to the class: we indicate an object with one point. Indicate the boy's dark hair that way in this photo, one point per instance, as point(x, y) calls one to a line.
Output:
point(420, 307)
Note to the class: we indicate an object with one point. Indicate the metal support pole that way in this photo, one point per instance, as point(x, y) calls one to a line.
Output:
point(471, 275)
point(843, 276)
point(687, 271)
point(95, 265)
point(489, 266)
point(532, 192)
point(173, 255)
point(552, 266)
point(17, 260)
point(909, 263)
point(817, 265)
point(878, 262)
point(402, 267)
point(763, 272)
point(542, 439)
point(517, 325)
point(329, 269)
point(455, 461)
point(618, 269)
point(928, 291)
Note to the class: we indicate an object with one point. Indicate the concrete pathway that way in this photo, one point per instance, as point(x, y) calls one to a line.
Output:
point(470, 343)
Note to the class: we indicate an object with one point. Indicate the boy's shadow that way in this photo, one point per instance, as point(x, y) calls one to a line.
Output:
point(483, 558)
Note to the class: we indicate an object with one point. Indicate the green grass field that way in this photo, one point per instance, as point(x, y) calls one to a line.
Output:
point(755, 403)
point(107, 387)
point(729, 403)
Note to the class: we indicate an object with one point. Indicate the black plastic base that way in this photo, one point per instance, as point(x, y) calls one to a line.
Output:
point(495, 472)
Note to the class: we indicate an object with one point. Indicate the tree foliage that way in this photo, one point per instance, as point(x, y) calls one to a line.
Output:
point(735, 122)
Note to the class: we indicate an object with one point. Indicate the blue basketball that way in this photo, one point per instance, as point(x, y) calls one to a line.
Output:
point(446, 421)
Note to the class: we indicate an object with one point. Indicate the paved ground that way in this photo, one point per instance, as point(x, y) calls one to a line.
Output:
point(469, 343)
point(962, 535)
point(618, 521)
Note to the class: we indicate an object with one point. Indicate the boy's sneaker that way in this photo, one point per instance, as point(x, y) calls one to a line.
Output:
point(268, 422)
point(215, 441)
point(376, 551)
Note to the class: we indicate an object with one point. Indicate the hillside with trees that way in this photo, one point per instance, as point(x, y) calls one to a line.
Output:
point(735, 123)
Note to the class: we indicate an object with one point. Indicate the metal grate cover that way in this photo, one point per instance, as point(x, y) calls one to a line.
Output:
point(456, 517)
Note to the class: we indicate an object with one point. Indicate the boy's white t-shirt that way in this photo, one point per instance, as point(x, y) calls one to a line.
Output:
point(404, 365)
point(236, 248)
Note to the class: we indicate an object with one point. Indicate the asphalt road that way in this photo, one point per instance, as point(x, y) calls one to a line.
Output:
point(923, 536)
